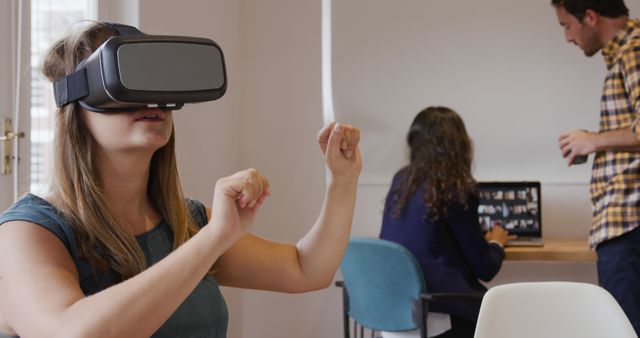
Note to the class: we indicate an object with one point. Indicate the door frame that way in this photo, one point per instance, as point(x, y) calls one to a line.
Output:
point(15, 13)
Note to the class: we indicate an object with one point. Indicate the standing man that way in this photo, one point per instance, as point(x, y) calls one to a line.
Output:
point(595, 25)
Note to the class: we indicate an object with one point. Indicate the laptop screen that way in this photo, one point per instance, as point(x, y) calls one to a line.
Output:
point(515, 205)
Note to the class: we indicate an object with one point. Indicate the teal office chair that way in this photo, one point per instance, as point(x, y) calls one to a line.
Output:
point(384, 289)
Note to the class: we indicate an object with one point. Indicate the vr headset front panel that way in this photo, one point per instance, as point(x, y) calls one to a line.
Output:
point(136, 71)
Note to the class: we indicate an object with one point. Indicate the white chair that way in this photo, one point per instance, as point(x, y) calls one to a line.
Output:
point(550, 310)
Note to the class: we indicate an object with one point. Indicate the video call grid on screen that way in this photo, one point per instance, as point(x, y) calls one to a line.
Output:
point(514, 205)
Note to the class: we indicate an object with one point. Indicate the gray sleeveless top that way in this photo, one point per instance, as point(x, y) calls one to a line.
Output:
point(202, 314)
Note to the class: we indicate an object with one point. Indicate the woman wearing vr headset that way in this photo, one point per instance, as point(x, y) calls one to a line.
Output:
point(116, 251)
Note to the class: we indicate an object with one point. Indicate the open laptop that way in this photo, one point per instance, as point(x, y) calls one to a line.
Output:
point(515, 206)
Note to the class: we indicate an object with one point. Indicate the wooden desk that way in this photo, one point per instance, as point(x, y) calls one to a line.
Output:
point(553, 250)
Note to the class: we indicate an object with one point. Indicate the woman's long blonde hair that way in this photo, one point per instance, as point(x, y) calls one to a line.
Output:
point(76, 189)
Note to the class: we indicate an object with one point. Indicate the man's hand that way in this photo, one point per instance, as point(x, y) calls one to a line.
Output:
point(576, 143)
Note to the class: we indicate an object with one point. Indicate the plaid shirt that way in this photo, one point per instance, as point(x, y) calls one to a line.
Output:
point(615, 177)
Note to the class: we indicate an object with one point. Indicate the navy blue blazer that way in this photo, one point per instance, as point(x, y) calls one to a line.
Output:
point(451, 250)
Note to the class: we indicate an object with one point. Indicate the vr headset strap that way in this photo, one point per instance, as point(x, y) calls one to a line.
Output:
point(124, 29)
point(75, 86)
point(71, 87)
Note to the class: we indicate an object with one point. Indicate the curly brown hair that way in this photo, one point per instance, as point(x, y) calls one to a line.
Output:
point(440, 161)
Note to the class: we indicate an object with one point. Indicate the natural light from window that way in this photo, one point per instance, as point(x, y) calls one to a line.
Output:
point(50, 20)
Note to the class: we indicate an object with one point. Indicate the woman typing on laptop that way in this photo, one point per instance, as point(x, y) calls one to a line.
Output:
point(432, 210)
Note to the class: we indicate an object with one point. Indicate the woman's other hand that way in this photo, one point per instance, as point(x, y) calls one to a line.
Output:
point(339, 144)
point(499, 234)
point(236, 200)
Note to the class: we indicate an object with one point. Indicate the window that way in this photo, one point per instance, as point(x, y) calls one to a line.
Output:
point(50, 20)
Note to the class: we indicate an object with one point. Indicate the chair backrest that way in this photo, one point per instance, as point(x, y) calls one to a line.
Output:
point(383, 280)
point(551, 309)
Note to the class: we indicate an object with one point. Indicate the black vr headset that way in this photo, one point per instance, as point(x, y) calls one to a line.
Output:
point(134, 70)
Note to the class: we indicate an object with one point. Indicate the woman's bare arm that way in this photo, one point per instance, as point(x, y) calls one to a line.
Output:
point(258, 263)
point(39, 282)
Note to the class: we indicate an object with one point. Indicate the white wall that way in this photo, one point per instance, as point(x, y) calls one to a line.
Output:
point(508, 75)
point(268, 120)
point(281, 114)
point(208, 133)
point(120, 11)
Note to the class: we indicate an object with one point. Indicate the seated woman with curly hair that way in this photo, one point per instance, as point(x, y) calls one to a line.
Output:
point(432, 210)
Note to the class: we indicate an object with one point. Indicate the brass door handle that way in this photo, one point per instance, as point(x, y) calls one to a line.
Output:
point(6, 148)
point(8, 136)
